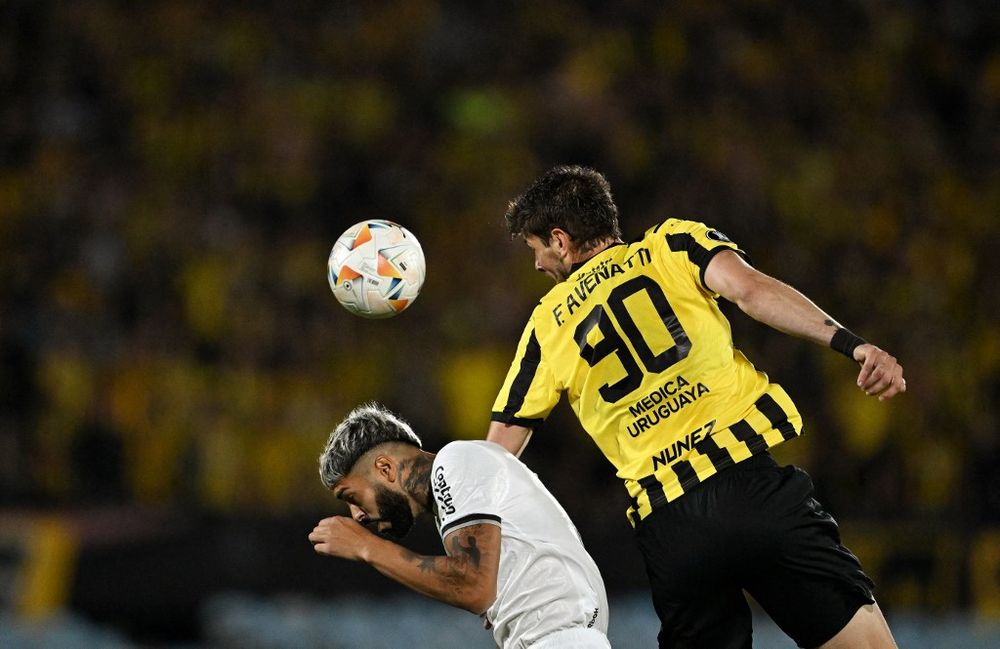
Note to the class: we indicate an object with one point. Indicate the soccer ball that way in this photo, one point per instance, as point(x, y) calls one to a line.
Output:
point(376, 269)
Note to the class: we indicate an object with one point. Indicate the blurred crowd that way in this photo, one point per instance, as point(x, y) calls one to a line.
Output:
point(174, 173)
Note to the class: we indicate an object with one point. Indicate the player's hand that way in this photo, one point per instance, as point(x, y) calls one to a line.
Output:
point(881, 374)
point(340, 536)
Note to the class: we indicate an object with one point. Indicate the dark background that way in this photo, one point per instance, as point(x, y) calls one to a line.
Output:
point(173, 175)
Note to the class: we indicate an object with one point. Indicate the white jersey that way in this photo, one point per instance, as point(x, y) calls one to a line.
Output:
point(547, 582)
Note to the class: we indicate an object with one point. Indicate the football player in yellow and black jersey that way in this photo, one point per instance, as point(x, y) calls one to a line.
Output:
point(633, 335)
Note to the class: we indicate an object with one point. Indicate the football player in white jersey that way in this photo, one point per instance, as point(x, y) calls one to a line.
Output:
point(513, 555)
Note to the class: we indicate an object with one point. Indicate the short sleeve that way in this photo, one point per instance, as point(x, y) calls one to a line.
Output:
point(467, 485)
point(529, 392)
point(694, 244)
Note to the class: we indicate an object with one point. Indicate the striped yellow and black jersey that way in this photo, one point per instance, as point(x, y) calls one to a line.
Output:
point(638, 344)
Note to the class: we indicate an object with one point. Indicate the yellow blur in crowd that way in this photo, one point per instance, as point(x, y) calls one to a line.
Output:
point(174, 176)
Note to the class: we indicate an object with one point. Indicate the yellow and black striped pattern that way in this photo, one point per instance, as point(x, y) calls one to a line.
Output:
point(638, 344)
point(772, 420)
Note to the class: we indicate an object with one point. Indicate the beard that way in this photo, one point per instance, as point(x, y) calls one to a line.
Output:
point(394, 508)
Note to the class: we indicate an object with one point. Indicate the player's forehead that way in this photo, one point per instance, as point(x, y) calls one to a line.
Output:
point(350, 483)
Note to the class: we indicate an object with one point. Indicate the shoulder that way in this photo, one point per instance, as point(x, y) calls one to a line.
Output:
point(695, 240)
point(468, 469)
point(541, 316)
point(467, 454)
point(680, 233)
point(669, 226)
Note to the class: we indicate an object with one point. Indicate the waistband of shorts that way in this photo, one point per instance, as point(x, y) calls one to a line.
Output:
point(758, 461)
point(761, 460)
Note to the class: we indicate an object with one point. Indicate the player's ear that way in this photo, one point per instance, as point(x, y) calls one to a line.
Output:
point(560, 240)
point(385, 467)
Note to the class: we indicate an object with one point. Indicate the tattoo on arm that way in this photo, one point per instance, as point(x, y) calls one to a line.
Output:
point(464, 558)
point(425, 563)
point(471, 550)
point(466, 577)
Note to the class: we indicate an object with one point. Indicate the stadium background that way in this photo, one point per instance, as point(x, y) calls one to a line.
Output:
point(174, 173)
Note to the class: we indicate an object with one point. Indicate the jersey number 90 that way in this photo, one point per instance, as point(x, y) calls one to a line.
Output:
point(612, 343)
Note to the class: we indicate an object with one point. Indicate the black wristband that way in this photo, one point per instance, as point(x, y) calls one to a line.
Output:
point(845, 342)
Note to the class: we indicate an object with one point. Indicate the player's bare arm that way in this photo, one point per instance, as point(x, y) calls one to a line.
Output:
point(512, 437)
point(466, 578)
point(778, 305)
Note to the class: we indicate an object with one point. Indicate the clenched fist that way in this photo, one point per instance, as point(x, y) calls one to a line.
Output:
point(340, 536)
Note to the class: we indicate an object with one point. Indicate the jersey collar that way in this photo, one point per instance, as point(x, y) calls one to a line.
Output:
point(580, 264)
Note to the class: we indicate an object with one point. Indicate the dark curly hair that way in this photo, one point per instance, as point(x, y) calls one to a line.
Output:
point(570, 197)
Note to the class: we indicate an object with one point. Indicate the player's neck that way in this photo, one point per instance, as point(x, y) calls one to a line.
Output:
point(415, 478)
point(578, 258)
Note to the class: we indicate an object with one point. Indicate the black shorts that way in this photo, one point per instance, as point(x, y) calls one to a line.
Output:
point(753, 527)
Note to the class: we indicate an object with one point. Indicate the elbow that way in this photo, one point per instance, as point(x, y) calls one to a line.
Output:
point(511, 437)
point(480, 605)
point(478, 600)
